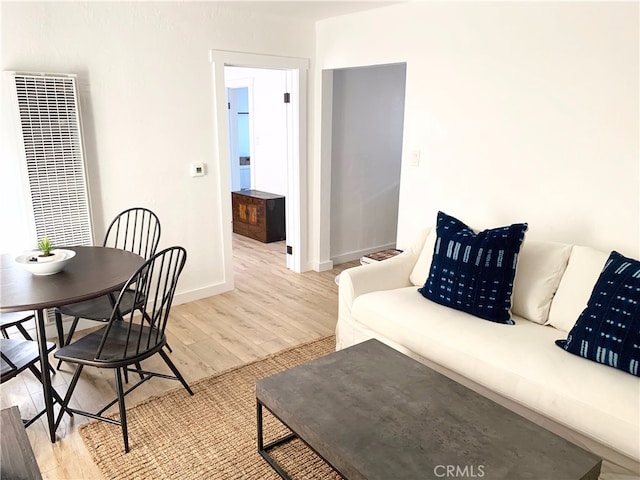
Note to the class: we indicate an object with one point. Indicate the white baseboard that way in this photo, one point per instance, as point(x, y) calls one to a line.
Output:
point(179, 298)
point(356, 255)
point(210, 291)
point(323, 266)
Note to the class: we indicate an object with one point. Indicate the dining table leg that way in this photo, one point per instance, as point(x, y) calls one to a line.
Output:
point(46, 376)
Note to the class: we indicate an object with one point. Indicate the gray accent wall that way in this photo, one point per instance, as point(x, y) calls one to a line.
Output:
point(366, 154)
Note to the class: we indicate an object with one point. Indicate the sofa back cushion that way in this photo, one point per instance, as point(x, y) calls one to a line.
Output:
point(421, 269)
point(474, 272)
point(583, 269)
point(538, 274)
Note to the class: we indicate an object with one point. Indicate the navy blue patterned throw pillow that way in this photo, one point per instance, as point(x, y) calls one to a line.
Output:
point(474, 272)
point(608, 330)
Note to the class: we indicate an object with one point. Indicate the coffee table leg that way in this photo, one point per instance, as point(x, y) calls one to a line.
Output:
point(263, 449)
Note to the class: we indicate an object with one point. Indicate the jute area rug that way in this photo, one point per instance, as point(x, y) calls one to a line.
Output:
point(211, 435)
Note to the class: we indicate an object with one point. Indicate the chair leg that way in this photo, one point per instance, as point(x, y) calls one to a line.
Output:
point(72, 330)
point(26, 335)
point(148, 319)
point(58, 317)
point(55, 395)
point(175, 371)
point(29, 422)
point(67, 396)
point(23, 331)
point(123, 410)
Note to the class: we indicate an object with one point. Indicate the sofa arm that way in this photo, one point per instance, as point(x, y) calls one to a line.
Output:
point(384, 275)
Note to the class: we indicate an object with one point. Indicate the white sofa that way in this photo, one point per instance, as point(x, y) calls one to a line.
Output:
point(519, 366)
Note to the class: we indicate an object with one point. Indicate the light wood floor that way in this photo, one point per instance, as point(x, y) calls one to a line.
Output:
point(270, 309)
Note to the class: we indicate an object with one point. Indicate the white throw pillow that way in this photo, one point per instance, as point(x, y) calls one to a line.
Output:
point(584, 268)
point(540, 268)
point(422, 267)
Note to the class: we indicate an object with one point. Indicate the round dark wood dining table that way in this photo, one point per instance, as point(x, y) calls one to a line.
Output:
point(93, 272)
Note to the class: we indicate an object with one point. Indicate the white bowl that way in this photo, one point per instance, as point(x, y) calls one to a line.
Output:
point(32, 262)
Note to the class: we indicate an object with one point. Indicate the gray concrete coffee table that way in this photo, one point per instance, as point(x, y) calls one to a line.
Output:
point(373, 413)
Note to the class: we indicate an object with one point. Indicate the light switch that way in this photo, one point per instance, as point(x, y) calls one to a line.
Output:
point(414, 161)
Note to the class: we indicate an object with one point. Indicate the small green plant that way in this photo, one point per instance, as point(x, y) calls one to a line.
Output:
point(44, 245)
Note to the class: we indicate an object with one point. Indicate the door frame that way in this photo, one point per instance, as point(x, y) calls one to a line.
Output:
point(296, 198)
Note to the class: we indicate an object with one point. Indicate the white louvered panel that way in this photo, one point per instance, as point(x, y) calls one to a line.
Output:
point(50, 127)
point(50, 124)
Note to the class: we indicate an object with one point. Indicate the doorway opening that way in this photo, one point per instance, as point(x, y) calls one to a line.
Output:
point(362, 137)
point(295, 71)
point(258, 130)
point(239, 138)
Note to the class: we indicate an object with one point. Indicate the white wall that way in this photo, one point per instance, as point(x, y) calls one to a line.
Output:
point(366, 140)
point(269, 123)
point(146, 94)
point(522, 111)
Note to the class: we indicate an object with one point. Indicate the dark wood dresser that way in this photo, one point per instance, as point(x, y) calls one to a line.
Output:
point(258, 215)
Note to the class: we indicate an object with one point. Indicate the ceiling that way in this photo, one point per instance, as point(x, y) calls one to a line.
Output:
point(308, 10)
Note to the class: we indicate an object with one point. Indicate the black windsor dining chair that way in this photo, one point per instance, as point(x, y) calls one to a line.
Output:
point(16, 356)
point(128, 339)
point(17, 320)
point(136, 230)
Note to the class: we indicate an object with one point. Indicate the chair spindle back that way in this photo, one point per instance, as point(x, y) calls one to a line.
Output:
point(136, 230)
point(142, 331)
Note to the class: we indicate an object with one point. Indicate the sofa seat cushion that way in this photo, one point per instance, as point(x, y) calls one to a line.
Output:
point(519, 362)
